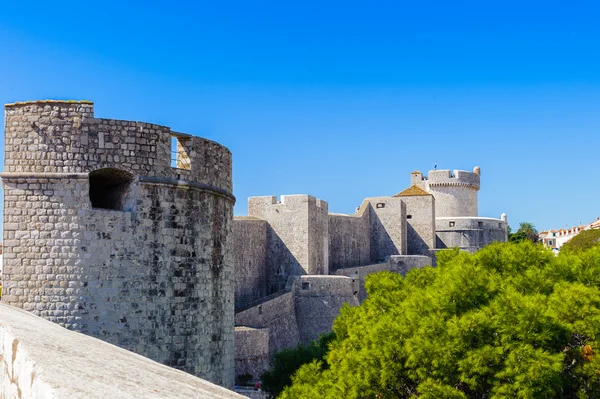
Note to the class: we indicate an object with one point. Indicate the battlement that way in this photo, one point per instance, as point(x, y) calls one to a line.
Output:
point(456, 178)
point(286, 200)
point(58, 136)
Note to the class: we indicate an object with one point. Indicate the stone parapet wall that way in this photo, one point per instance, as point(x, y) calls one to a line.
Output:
point(469, 233)
point(41, 360)
point(64, 137)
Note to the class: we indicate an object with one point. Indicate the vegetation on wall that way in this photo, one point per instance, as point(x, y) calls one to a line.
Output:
point(512, 320)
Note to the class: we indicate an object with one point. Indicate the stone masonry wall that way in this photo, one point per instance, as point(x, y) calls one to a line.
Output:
point(278, 314)
point(296, 236)
point(251, 351)
point(469, 234)
point(349, 240)
point(156, 275)
point(318, 303)
point(249, 237)
point(420, 229)
point(388, 227)
point(360, 273)
point(455, 192)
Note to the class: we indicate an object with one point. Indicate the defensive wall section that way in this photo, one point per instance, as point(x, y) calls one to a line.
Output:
point(250, 259)
point(420, 220)
point(470, 233)
point(349, 239)
point(388, 227)
point(41, 360)
point(400, 264)
point(297, 236)
point(103, 236)
point(304, 310)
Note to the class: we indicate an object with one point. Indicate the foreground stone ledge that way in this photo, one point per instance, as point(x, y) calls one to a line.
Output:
point(39, 359)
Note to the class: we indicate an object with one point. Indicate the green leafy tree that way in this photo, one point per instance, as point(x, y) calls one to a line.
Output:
point(582, 241)
point(286, 362)
point(511, 320)
point(526, 231)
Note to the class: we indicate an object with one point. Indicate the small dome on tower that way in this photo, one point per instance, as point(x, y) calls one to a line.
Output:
point(477, 170)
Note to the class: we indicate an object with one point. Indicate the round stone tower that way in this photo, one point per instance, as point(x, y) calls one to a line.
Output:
point(455, 192)
point(121, 230)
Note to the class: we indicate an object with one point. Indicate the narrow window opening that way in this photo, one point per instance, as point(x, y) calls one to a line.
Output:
point(111, 189)
point(305, 286)
point(409, 216)
point(451, 224)
point(180, 158)
point(380, 205)
point(479, 224)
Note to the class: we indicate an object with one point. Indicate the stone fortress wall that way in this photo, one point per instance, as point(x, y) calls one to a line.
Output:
point(298, 247)
point(103, 236)
point(107, 233)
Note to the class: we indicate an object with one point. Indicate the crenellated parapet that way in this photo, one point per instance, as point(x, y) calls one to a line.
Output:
point(52, 136)
point(456, 178)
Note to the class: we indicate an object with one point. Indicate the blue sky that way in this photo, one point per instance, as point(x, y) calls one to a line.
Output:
point(341, 100)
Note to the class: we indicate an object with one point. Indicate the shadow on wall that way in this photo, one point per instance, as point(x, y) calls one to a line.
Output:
point(415, 244)
point(382, 244)
point(281, 263)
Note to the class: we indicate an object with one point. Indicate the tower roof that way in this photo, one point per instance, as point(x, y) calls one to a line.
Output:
point(412, 191)
point(415, 171)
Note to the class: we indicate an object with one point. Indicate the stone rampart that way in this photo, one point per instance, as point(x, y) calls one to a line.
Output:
point(420, 226)
point(318, 302)
point(104, 237)
point(252, 353)
point(250, 260)
point(359, 273)
point(349, 240)
point(469, 233)
point(277, 314)
point(41, 360)
point(387, 216)
point(402, 264)
point(297, 236)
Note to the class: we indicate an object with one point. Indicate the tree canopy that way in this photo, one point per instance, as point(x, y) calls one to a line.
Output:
point(582, 241)
point(526, 231)
point(511, 320)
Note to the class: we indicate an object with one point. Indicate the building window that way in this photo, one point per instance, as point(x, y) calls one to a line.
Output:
point(305, 286)
point(451, 224)
point(180, 157)
point(480, 224)
point(409, 216)
point(550, 242)
point(380, 205)
point(111, 189)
